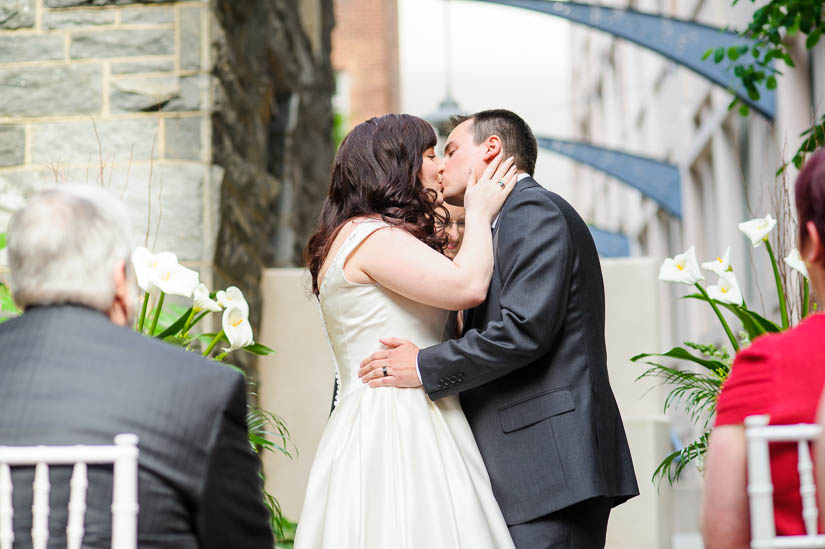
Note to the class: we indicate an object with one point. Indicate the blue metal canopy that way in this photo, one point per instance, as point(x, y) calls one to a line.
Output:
point(610, 244)
point(684, 42)
point(655, 179)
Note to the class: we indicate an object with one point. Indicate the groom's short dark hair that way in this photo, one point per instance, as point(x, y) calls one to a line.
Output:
point(517, 139)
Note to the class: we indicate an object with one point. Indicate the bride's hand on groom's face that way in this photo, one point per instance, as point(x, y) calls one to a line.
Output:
point(393, 367)
point(486, 195)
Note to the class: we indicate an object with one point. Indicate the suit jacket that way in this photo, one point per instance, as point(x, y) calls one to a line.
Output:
point(70, 376)
point(531, 367)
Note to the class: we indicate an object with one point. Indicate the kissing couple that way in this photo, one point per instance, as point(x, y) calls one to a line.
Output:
point(504, 435)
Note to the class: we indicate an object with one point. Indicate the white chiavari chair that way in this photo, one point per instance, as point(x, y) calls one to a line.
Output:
point(124, 457)
point(760, 486)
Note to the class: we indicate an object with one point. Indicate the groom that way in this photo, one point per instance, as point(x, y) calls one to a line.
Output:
point(531, 367)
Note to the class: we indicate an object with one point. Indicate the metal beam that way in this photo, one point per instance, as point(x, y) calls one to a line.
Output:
point(655, 179)
point(684, 42)
point(610, 244)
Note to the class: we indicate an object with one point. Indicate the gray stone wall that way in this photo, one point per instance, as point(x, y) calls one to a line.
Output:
point(211, 119)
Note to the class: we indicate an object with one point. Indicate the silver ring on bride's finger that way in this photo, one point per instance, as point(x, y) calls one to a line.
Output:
point(501, 183)
point(384, 369)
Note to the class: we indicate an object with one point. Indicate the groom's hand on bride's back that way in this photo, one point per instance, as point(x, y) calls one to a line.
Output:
point(395, 366)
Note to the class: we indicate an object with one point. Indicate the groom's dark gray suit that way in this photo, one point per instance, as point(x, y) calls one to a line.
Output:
point(531, 367)
point(68, 376)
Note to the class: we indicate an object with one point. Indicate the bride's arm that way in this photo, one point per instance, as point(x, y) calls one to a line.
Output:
point(402, 263)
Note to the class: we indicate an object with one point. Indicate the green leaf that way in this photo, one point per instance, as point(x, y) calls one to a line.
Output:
point(7, 302)
point(718, 55)
point(771, 83)
point(2, 240)
point(682, 354)
point(258, 349)
point(733, 53)
point(707, 54)
point(812, 39)
point(176, 326)
point(753, 323)
point(744, 110)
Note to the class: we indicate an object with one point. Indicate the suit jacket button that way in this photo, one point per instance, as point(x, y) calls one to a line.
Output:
point(460, 377)
point(452, 379)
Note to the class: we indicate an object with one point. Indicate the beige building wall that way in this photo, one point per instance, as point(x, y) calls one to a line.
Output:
point(296, 382)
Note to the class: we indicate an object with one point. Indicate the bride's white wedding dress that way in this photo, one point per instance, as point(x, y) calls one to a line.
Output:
point(393, 470)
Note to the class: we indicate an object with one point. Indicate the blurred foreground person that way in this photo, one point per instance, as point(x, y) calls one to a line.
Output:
point(73, 372)
point(781, 375)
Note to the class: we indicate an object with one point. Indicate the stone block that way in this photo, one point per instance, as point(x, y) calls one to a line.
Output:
point(183, 138)
point(122, 43)
point(136, 67)
point(76, 19)
point(58, 143)
point(135, 94)
point(16, 48)
point(12, 145)
point(51, 91)
point(16, 14)
point(176, 215)
point(147, 16)
point(189, 99)
point(190, 38)
point(71, 3)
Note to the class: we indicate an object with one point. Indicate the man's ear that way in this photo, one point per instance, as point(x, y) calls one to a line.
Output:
point(492, 148)
point(120, 311)
point(812, 251)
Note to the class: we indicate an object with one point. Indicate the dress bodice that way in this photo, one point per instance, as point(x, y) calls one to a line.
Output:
point(356, 316)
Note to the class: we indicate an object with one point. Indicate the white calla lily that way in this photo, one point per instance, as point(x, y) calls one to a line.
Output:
point(233, 296)
point(758, 229)
point(794, 261)
point(202, 301)
point(726, 290)
point(173, 278)
point(143, 261)
point(682, 269)
point(237, 328)
point(718, 265)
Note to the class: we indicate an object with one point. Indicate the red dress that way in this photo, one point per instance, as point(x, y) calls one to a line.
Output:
point(781, 375)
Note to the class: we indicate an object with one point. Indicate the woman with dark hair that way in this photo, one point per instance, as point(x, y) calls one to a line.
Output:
point(781, 375)
point(393, 468)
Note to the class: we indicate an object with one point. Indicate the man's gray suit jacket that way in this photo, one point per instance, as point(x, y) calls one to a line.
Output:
point(531, 367)
point(69, 376)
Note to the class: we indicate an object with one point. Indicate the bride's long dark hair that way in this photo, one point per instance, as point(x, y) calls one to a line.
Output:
point(376, 172)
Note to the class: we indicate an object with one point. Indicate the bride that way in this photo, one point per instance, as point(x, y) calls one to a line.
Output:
point(394, 469)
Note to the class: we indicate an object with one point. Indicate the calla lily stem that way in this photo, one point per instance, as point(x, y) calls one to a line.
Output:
point(783, 308)
point(157, 314)
point(221, 356)
point(806, 296)
point(185, 331)
point(720, 317)
point(214, 342)
point(143, 311)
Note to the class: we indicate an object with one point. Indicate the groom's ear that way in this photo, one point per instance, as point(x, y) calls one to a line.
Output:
point(492, 147)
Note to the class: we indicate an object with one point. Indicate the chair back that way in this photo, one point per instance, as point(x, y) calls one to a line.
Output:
point(760, 486)
point(124, 457)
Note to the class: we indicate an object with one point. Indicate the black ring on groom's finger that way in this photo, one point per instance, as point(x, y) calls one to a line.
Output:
point(384, 369)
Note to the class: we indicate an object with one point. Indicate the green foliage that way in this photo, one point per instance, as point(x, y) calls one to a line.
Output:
point(769, 24)
point(267, 431)
point(674, 465)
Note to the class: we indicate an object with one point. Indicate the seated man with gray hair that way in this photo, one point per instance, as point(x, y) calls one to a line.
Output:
point(73, 372)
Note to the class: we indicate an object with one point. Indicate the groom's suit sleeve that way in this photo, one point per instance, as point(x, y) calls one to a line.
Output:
point(534, 258)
